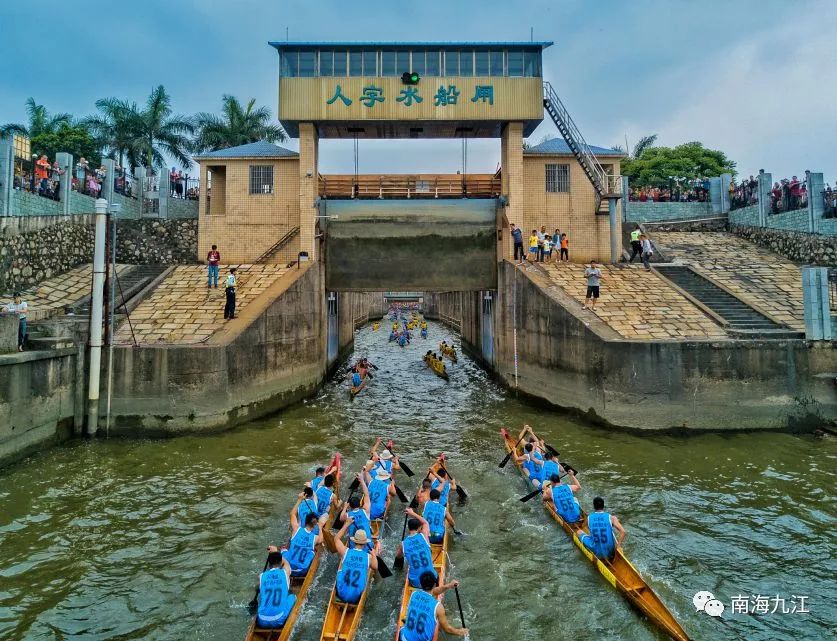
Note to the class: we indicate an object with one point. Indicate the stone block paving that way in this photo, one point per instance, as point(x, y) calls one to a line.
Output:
point(637, 303)
point(757, 276)
point(182, 310)
point(50, 297)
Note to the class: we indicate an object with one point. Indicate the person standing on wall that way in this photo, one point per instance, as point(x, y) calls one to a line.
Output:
point(229, 290)
point(565, 248)
point(647, 250)
point(213, 260)
point(517, 237)
point(541, 236)
point(636, 245)
point(20, 308)
point(593, 275)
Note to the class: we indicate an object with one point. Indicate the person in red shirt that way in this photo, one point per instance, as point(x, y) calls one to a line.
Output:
point(213, 260)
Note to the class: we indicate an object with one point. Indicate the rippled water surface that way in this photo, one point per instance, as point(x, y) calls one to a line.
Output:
point(163, 540)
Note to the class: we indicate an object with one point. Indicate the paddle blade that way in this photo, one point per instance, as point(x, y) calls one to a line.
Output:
point(530, 496)
point(551, 449)
point(505, 460)
point(399, 563)
point(354, 485)
point(406, 468)
point(401, 496)
point(414, 502)
point(461, 491)
point(383, 569)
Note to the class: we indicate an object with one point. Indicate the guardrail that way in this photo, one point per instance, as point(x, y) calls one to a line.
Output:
point(382, 187)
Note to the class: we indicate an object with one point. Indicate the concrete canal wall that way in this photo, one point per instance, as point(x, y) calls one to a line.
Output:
point(579, 363)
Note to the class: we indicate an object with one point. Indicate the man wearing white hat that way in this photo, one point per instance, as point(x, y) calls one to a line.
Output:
point(385, 460)
point(355, 563)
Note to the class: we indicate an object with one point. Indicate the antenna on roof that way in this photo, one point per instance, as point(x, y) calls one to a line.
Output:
point(531, 34)
point(286, 35)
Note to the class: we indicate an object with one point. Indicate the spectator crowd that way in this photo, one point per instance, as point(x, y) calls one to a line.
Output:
point(692, 192)
point(181, 186)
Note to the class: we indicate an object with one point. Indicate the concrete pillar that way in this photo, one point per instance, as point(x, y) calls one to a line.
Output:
point(715, 195)
point(765, 184)
point(511, 183)
point(726, 180)
point(7, 173)
point(815, 301)
point(110, 174)
point(139, 186)
point(626, 197)
point(615, 230)
point(65, 182)
point(308, 188)
point(163, 193)
point(815, 183)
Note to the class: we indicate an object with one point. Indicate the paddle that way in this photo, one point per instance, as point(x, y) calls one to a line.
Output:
point(401, 463)
point(399, 560)
point(401, 496)
point(254, 602)
point(532, 495)
point(338, 522)
point(383, 568)
point(459, 489)
point(459, 605)
point(509, 455)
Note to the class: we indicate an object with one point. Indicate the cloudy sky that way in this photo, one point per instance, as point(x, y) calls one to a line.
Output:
point(755, 78)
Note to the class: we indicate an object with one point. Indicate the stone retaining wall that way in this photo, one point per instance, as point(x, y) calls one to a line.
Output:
point(34, 248)
point(649, 212)
point(812, 249)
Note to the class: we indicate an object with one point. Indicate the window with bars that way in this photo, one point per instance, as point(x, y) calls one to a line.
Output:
point(261, 179)
point(558, 178)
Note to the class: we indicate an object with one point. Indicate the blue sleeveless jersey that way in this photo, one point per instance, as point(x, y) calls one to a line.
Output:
point(274, 604)
point(378, 492)
point(324, 495)
point(316, 482)
point(356, 380)
point(531, 466)
point(550, 468)
point(361, 522)
point(434, 514)
point(445, 491)
point(601, 533)
point(419, 557)
point(565, 503)
point(384, 465)
point(301, 550)
point(306, 507)
point(353, 575)
point(420, 623)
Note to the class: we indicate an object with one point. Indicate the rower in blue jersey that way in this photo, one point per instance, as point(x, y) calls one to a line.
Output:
point(325, 498)
point(319, 474)
point(561, 495)
point(274, 592)
point(380, 490)
point(355, 563)
point(306, 537)
point(601, 524)
point(532, 467)
point(308, 504)
point(436, 516)
point(415, 548)
point(356, 511)
point(358, 383)
point(551, 467)
point(425, 612)
point(384, 460)
point(444, 484)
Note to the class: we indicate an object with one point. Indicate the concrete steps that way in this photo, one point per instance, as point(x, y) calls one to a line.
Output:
point(738, 317)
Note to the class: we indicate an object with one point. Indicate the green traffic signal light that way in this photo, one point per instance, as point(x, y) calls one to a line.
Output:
point(414, 78)
point(410, 78)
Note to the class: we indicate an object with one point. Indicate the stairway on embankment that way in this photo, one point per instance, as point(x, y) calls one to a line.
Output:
point(734, 314)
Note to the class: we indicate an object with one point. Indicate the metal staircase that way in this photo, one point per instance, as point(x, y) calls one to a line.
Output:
point(279, 244)
point(606, 186)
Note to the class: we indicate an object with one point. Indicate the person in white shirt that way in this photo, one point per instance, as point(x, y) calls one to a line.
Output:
point(229, 290)
point(20, 308)
point(647, 250)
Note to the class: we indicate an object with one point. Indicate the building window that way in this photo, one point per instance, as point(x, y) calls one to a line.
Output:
point(496, 62)
point(432, 64)
point(261, 179)
point(402, 62)
point(327, 63)
point(307, 64)
point(558, 179)
point(531, 64)
point(418, 62)
point(451, 63)
point(355, 63)
point(481, 63)
point(515, 63)
point(388, 66)
point(290, 68)
point(466, 63)
point(370, 60)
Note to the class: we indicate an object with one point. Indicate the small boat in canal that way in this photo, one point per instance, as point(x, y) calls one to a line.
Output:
point(619, 571)
point(439, 554)
point(449, 351)
point(299, 586)
point(437, 367)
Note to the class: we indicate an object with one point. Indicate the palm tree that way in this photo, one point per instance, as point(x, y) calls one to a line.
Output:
point(155, 131)
point(236, 125)
point(112, 130)
point(40, 121)
point(644, 143)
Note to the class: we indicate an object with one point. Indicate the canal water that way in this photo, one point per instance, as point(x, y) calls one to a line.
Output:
point(162, 540)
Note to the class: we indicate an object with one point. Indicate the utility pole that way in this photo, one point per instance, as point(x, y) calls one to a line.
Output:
point(96, 300)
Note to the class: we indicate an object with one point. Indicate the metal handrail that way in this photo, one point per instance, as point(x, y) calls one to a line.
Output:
point(277, 245)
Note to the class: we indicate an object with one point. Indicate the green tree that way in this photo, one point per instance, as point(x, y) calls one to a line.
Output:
point(237, 125)
point(73, 139)
point(144, 135)
point(655, 166)
point(40, 121)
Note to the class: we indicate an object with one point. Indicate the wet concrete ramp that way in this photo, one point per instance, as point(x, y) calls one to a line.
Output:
point(422, 245)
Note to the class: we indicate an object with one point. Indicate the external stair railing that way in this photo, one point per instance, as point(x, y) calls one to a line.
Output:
point(277, 246)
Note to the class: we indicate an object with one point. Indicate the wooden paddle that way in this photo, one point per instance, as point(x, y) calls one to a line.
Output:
point(509, 455)
point(383, 568)
point(459, 489)
point(399, 560)
point(401, 496)
point(532, 495)
point(254, 602)
point(401, 463)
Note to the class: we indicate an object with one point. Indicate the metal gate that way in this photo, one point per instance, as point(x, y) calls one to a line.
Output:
point(488, 327)
point(333, 328)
